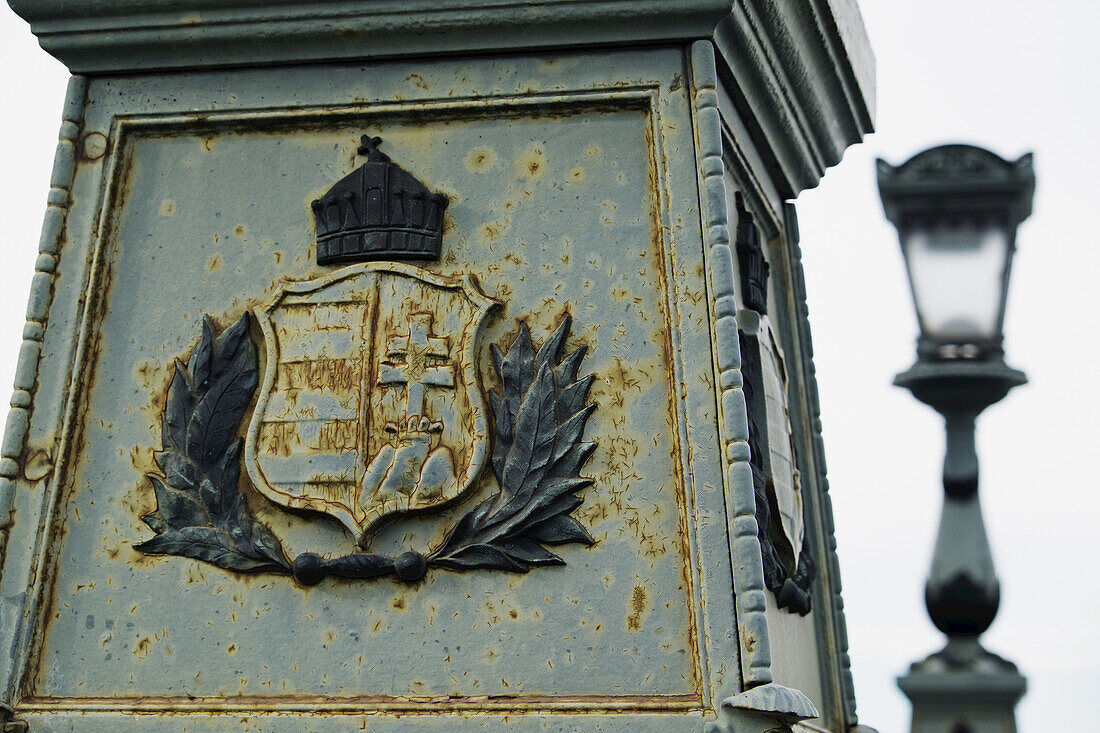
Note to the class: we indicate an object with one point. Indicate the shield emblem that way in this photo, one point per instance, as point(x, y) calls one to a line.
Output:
point(785, 479)
point(370, 404)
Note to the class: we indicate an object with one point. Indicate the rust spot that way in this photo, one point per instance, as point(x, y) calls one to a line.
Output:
point(231, 649)
point(639, 604)
point(238, 231)
point(37, 465)
point(214, 263)
point(576, 175)
point(480, 160)
point(490, 231)
point(417, 81)
point(399, 603)
point(167, 207)
point(532, 164)
point(143, 646)
point(607, 212)
point(208, 143)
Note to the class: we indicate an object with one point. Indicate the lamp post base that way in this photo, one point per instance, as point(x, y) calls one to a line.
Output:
point(963, 689)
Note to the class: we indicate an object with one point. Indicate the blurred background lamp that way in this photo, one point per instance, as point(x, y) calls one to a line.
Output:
point(956, 208)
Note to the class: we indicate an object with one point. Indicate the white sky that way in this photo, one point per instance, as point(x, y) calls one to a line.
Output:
point(1012, 76)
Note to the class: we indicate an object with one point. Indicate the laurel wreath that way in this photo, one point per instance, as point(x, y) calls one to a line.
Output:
point(540, 411)
point(201, 513)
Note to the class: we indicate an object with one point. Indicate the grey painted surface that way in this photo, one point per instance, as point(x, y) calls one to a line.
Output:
point(576, 182)
point(199, 219)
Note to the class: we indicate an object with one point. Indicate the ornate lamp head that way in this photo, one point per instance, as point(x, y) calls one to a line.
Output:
point(956, 208)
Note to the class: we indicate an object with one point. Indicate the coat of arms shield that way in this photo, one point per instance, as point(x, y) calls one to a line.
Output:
point(370, 404)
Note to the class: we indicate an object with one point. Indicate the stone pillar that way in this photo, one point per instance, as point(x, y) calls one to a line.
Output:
point(429, 365)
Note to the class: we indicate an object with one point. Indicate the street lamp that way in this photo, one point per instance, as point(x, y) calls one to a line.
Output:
point(956, 208)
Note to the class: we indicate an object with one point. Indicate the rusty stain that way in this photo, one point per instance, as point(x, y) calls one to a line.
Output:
point(532, 164)
point(417, 80)
point(37, 465)
point(480, 160)
point(639, 601)
point(214, 263)
point(167, 207)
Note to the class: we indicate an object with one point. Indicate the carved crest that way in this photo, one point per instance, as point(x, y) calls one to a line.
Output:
point(370, 405)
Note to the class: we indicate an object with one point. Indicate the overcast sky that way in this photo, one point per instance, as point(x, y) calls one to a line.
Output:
point(1007, 75)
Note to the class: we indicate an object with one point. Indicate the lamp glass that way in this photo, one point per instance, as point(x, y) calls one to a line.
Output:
point(957, 272)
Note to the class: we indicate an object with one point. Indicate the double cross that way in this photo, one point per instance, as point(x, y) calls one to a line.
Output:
point(418, 359)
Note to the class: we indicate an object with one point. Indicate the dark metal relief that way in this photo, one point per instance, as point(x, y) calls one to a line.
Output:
point(789, 568)
point(200, 511)
point(379, 211)
point(751, 263)
point(371, 407)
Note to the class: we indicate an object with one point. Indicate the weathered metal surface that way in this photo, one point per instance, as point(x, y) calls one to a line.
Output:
point(549, 225)
point(586, 216)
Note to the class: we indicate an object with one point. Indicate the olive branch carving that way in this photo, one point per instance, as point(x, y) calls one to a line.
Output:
point(200, 511)
point(539, 413)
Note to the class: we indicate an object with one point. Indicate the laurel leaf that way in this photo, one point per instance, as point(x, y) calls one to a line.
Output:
point(479, 556)
point(517, 368)
point(177, 508)
point(177, 410)
point(502, 428)
point(198, 365)
point(179, 471)
point(570, 431)
point(569, 463)
point(571, 400)
point(217, 416)
point(155, 521)
point(550, 351)
point(566, 372)
point(207, 544)
point(560, 505)
point(561, 529)
point(530, 552)
point(533, 440)
point(228, 469)
point(467, 527)
point(266, 545)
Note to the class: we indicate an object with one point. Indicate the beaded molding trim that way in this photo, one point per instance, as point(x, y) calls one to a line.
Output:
point(748, 570)
point(38, 306)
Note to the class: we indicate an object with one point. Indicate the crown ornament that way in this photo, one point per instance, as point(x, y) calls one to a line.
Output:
point(379, 211)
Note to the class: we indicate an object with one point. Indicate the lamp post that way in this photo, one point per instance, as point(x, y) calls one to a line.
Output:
point(956, 209)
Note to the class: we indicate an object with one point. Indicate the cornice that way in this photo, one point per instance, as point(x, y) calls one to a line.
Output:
point(802, 75)
point(107, 36)
point(800, 72)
